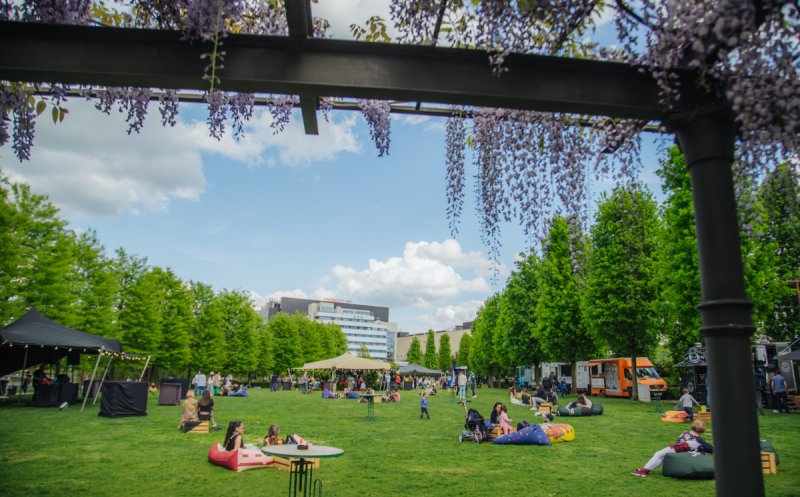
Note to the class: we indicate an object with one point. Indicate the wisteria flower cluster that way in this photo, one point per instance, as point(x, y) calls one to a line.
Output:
point(377, 115)
point(47, 11)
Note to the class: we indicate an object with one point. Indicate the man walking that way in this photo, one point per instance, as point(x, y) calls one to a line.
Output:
point(461, 381)
point(779, 389)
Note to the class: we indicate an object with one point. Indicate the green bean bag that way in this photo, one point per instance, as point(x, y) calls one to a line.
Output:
point(689, 466)
point(596, 410)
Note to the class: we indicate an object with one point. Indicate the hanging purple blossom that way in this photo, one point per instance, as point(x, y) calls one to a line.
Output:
point(280, 108)
point(56, 11)
point(207, 19)
point(455, 162)
point(241, 107)
point(217, 112)
point(376, 112)
point(168, 107)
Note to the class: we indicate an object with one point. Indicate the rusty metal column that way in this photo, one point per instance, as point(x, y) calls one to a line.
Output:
point(707, 142)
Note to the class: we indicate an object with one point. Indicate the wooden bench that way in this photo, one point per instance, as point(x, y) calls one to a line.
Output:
point(203, 427)
point(768, 466)
point(546, 408)
point(703, 416)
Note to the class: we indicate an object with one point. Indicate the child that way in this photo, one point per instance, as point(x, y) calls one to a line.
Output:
point(687, 401)
point(273, 437)
point(505, 421)
point(689, 440)
point(423, 406)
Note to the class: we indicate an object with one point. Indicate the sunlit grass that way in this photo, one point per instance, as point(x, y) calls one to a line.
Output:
point(49, 452)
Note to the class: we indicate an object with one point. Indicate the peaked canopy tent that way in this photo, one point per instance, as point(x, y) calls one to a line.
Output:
point(416, 369)
point(35, 339)
point(347, 361)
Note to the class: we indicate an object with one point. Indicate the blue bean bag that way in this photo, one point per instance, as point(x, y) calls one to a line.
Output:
point(242, 392)
point(530, 435)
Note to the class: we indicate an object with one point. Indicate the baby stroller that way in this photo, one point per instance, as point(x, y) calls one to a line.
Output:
point(475, 426)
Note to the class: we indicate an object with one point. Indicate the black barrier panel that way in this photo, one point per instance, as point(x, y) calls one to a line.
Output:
point(170, 394)
point(185, 384)
point(123, 398)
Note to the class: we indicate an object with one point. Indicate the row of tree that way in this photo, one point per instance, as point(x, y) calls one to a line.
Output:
point(633, 282)
point(184, 326)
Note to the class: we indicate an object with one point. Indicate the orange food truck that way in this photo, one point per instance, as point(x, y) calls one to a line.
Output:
point(613, 377)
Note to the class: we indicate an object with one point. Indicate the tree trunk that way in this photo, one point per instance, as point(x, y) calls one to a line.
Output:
point(634, 373)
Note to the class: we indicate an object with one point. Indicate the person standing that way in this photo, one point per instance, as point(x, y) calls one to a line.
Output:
point(462, 385)
point(472, 384)
point(423, 406)
point(304, 383)
point(758, 383)
point(274, 383)
point(201, 383)
point(779, 390)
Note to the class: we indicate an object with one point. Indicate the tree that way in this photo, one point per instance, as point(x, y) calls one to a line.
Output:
point(560, 325)
point(779, 196)
point(620, 289)
point(286, 352)
point(445, 356)
point(176, 321)
point(678, 268)
point(363, 351)
point(96, 286)
point(415, 351)
point(482, 355)
point(206, 336)
point(266, 363)
point(462, 358)
point(140, 318)
point(518, 313)
point(240, 329)
point(431, 358)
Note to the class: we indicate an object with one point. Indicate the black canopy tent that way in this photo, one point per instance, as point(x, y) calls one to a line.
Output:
point(416, 369)
point(35, 339)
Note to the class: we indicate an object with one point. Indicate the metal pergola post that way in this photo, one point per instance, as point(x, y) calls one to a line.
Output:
point(707, 142)
point(105, 372)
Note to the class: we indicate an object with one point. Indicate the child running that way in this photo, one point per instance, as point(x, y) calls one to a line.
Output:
point(423, 406)
point(687, 401)
point(689, 440)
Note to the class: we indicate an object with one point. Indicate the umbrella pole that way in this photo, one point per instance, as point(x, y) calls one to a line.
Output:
point(110, 358)
point(91, 380)
point(145, 368)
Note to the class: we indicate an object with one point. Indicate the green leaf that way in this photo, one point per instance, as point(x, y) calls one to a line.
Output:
point(55, 115)
point(61, 113)
point(40, 107)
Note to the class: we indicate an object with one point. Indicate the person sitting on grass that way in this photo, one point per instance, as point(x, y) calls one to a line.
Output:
point(351, 394)
point(234, 437)
point(327, 394)
point(273, 436)
point(393, 396)
point(189, 419)
point(689, 440)
point(205, 409)
point(582, 402)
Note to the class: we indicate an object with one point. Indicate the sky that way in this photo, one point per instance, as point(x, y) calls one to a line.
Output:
point(281, 215)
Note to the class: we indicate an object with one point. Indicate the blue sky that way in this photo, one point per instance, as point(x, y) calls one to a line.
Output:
point(279, 215)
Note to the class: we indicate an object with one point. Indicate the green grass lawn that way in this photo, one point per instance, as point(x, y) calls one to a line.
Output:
point(50, 452)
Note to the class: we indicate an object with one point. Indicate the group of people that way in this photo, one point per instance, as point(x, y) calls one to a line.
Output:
point(214, 383)
point(196, 411)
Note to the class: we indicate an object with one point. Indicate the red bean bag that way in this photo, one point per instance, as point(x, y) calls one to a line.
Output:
point(238, 460)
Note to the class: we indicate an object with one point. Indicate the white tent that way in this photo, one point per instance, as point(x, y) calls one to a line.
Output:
point(349, 362)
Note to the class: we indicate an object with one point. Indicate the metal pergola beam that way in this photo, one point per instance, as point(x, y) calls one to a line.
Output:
point(323, 67)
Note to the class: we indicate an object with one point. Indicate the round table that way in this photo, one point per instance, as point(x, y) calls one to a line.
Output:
point(370, 405)
point(300, 470)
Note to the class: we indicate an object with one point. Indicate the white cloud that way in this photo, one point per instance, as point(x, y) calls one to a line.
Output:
point(427, 274)
point(89, 166)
